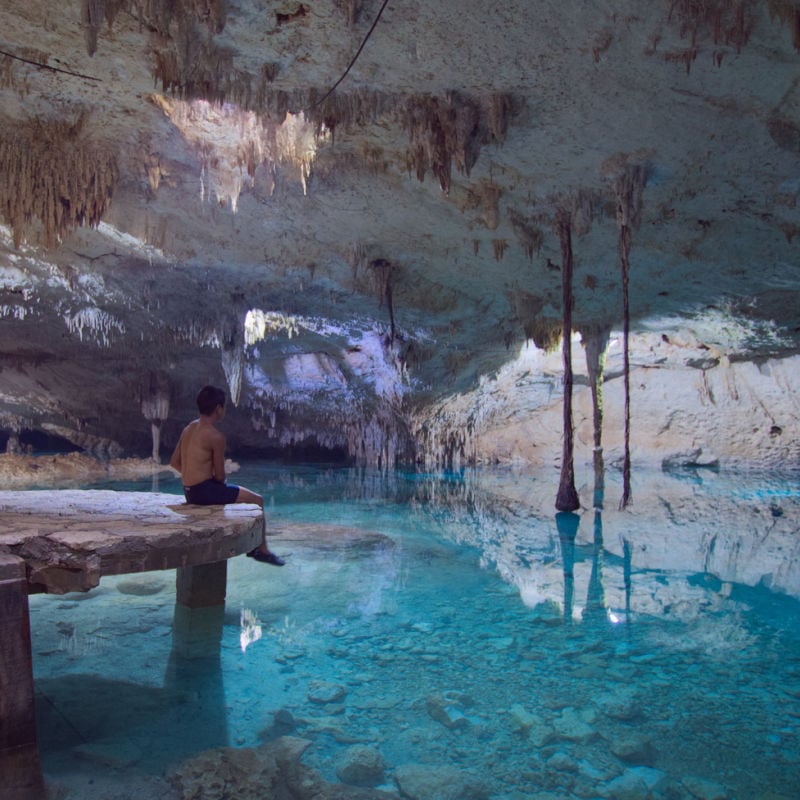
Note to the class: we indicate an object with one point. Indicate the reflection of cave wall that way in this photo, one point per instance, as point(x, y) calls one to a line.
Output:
point(738, 531)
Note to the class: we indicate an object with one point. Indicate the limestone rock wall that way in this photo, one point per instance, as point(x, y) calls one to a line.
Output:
point(691, 404)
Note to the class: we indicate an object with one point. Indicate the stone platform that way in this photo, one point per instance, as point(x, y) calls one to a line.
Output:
point(64, 541)
point(68, 539)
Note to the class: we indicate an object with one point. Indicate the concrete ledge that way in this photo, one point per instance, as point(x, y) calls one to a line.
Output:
point(69, 539)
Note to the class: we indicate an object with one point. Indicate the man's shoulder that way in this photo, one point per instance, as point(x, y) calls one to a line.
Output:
point(210, 433)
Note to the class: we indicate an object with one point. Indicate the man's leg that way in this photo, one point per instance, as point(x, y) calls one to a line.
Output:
point(246, 496)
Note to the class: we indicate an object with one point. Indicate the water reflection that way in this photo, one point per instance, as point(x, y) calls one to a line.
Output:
point(567, 524)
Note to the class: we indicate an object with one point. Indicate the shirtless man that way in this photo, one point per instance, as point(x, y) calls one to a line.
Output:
point(200, 459)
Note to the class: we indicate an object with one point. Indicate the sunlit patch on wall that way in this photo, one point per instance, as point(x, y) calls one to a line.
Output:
point(259, 324)
point(233, 145)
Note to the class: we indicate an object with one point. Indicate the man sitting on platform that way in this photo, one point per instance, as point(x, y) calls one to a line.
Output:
point(200, 458)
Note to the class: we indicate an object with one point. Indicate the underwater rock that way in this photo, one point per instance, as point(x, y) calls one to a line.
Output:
point(269, 771)
point(704, 789)
point(628, 786)
point(572, 725)
point(634, 749)
point(332, 726)
point(621, 708)
point(562, 762)
point(521, 719)
point(426, 782)
point(637, 783)
point(141, 586)
point(537, 730)
point(108, 753)
point(445, 709)
point(361, 766)
point(322, 692)
point(283, 724)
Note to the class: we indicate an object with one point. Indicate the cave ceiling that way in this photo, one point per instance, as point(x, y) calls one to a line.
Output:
point(185, 200)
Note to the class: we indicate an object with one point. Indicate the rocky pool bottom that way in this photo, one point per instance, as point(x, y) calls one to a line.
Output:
point(449, 638)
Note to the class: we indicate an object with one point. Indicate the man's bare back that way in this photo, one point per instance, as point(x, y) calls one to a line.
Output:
point(200, 454)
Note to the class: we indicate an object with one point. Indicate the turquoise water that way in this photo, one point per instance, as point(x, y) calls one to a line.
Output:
point(454, 622)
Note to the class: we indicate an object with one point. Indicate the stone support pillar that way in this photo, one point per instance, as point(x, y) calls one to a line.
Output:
point(20, 767)
point(201, 586)
point(194, 663)
point(199, 609)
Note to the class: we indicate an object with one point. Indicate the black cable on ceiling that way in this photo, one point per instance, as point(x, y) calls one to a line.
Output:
point(48, 68)
point(353, 60)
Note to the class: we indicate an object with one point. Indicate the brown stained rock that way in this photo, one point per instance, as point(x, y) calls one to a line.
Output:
point(273, 770)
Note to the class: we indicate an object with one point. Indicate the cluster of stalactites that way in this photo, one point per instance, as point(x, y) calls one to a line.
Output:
point(452, 129)
point(376, 437)
point(443, 130)
point(155, 396)
point(445, 444)
point(376, 442)
point(165, 17)
point(788, 12)
point(52, 172)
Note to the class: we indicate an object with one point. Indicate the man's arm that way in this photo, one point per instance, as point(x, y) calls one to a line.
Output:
point(175, 460)
point(218, 456)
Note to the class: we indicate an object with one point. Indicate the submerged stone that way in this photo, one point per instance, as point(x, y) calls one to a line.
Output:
point(361, 766)
point(572, 725)
point(141, 586)
point(427, 782)
point(634, 749)
point(704, 789)
point(322, 692)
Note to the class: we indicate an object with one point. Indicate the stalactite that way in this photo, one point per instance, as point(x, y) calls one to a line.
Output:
point(500, 110)
point(351, 10)
point(788, 12)
point(93, 324)
point(452, 129)
point(383, 272)
point(489, 194)
point(154, 404)
point(628, 185)
point(93, 14)
point(528, 234)
point(567, 496)
point(52, 171)
point(232, 346)
point(499, 246)
point(544, 332)
point(724, 22)
point(230, 163)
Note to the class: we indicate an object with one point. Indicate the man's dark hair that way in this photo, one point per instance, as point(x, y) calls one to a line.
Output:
point(208, 398)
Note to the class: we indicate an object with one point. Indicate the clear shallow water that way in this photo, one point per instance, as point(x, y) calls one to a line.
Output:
point(447, 621)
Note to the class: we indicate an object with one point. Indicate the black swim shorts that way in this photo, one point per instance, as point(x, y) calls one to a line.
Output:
point(211, 493)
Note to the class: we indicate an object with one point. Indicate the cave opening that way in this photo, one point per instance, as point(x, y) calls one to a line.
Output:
point(35, 442)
